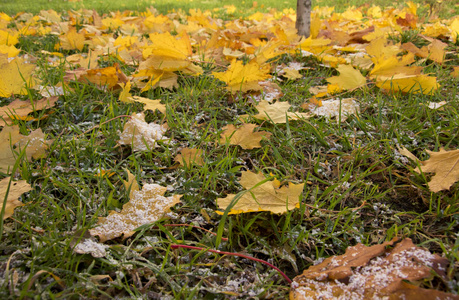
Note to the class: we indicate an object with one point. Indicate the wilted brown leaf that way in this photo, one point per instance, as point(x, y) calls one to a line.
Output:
point(19, 109)
point(376, 272)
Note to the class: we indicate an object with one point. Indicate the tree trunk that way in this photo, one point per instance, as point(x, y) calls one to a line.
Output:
point(303, 17)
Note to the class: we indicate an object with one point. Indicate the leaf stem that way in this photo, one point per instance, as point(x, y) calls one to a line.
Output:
point(175, 246)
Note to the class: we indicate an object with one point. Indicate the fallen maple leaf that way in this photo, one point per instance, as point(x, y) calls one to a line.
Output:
point(140, 134)
point(240, 77)
point(338, 108)
point(14, 76)
point(265, 197)
point(19, 109)
point(445, 165)
point(277, 112)
point(168, 53)
point(375, 272)
point(12, 143)
point(17, 188)
point(243, 136)
point(189, 156)
point(348, 79)
point(72, 40)
point(107, 77)
point(146, 205)
point(151, 104)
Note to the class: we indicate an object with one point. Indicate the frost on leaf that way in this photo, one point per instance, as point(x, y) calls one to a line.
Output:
point(243, 136)
point(145, 206)
point(264, 197)
point(376, 272)
point(17, 188)
point(337, 108)
point(445, 165)
point(140, 134)
point(89, 246)
point(277, 112)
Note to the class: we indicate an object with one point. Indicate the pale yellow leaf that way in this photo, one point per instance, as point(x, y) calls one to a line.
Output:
point(243, 136)
point(277, 112)
point(265, 197)
point(17, 188)
point(445, 165)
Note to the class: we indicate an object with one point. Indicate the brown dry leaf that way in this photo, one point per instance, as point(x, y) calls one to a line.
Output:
point(190, 156)
point(376, 272)
point(19, 109)
point(445, 165)
point(277, 112)
point(140, 134)
point(402, 150)
point(265, 197)
point(17, 188)
point(240, 77)
point(243, 136)
point(145, 206)
point(10, 137)
point(14, 76)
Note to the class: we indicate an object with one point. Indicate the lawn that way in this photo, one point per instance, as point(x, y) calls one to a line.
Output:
point(187, 149)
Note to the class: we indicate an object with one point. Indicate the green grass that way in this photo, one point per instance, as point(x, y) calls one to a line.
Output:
point(357, 188)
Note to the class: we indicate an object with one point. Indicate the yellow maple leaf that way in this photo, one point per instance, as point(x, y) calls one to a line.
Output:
point(243, 136)
point(437, 52)
point(72, 40)
point(277, 112)
point(445, 165)
point(16, 189)
point(264, 197)
point(240, 77)
point(14, 76)
point(409, 84)
point(190, 156)
point(168, 53)
point(145, 206)
point(10, 51)
point(348, 79)
point(150, 104)
point(8, 37)
point(107, 77)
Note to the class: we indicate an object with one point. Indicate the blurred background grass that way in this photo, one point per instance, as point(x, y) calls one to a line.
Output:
point(442, 8)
